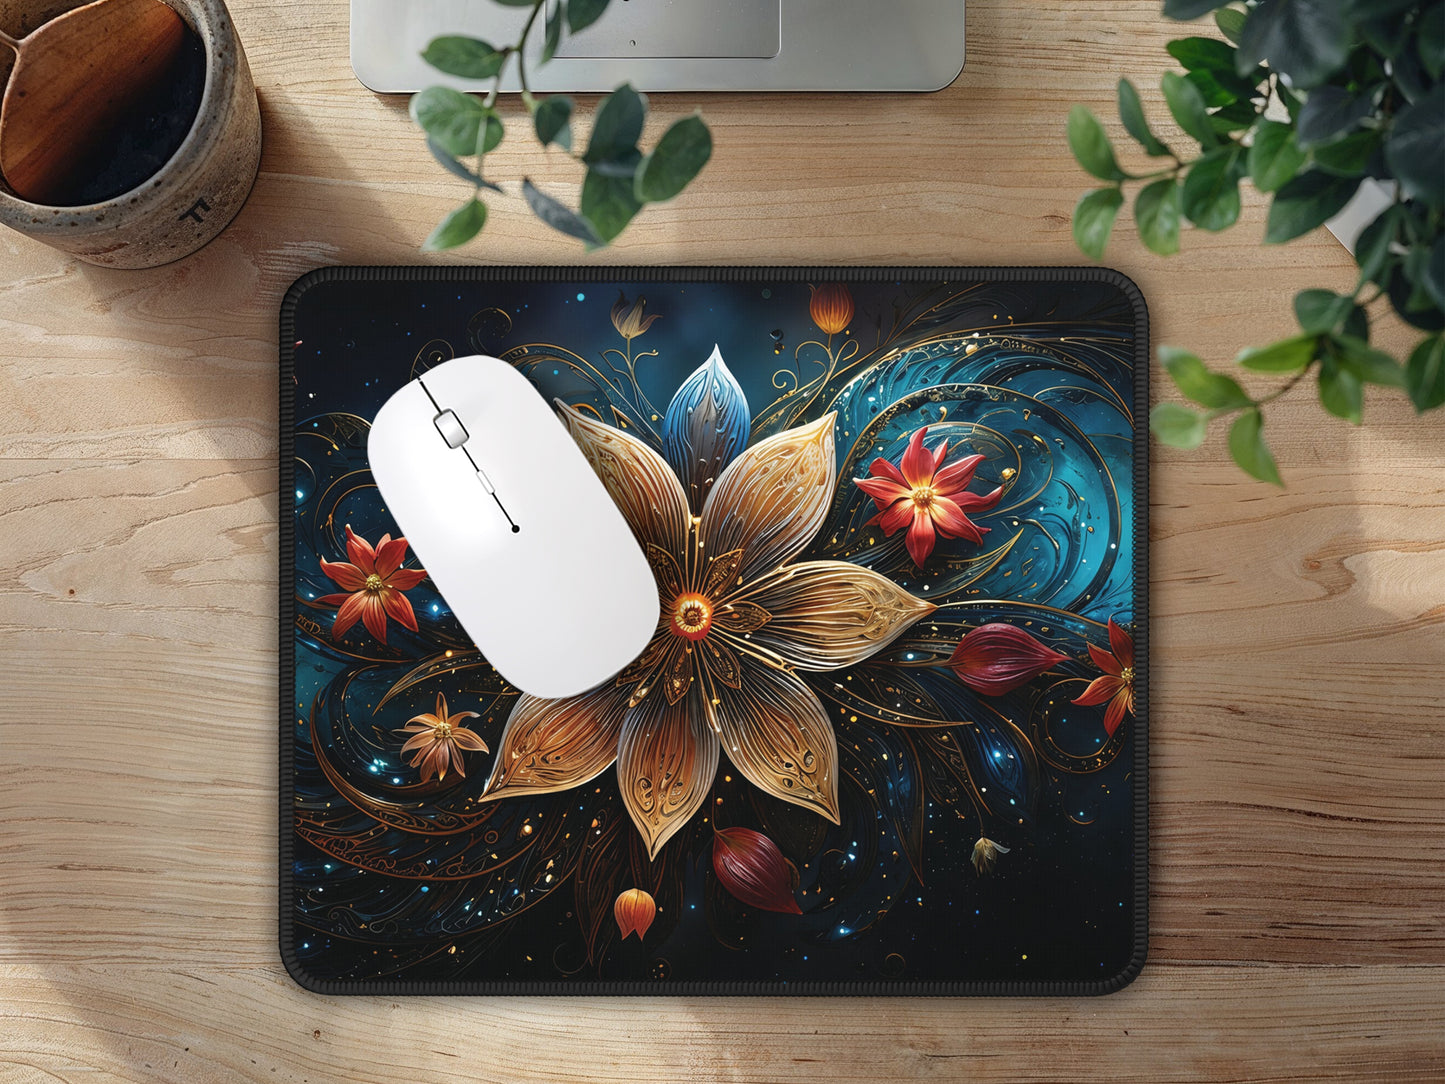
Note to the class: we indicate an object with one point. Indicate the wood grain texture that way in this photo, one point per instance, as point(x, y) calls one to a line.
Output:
point(1299, 637)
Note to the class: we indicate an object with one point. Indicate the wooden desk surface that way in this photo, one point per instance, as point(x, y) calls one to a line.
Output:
point(1299, 796)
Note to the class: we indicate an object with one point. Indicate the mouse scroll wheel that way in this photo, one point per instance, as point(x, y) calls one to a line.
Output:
point(451, 429)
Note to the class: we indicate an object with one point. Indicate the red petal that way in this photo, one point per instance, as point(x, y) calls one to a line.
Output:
point(398, 609)
point(883, 490)
point(1099, 690)
point(917, 464)
point(956, 475)
point(952, 523)
point(389, 556)
point(976, 502)
point(634, 911)
point(997, 658)
point(1114, 715)
point(753, 870)
point(404, 579)
point(881, 468)
point(373, 616)
point(920, 539)
point(1122, 644)
point(894, 518)
point(349, 614)
point(1105, 661)
point(360, 552)
point(331, 600)
point(347, 577)
point(938, 454)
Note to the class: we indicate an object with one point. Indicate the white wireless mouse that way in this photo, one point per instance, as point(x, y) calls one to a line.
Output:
point(515, 529)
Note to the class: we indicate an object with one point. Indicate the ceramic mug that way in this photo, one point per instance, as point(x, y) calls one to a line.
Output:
point(201, 186)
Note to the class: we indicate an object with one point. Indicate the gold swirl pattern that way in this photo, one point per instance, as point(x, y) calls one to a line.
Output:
point(666, 761)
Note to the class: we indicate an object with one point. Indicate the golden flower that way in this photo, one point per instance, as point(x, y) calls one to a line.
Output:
point(629, 319)
point(831, 307)
point(439, 740)
point(634, 911)
point(985, 854)
point(738, 620)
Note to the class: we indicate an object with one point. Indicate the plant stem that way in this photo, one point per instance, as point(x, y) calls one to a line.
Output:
point(1285, 387)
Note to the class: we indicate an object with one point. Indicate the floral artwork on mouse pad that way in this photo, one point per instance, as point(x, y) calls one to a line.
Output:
point(888, 734)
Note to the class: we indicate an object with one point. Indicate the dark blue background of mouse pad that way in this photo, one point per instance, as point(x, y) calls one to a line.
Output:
point(395, 884)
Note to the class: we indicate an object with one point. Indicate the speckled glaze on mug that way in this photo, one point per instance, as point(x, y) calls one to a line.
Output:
point(194, 195)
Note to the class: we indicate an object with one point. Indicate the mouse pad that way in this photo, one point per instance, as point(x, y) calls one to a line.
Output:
point(890, 733)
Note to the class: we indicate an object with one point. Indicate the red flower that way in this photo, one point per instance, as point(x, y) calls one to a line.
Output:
point(996, 659)
point(373, 582)
point(831, 307)
point(752, 869)
point(634, 911)
point(1117, 683)
point(927, 497)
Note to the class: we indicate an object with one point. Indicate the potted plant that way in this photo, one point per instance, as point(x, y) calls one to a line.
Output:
point(1308, 100)
point(620, 177)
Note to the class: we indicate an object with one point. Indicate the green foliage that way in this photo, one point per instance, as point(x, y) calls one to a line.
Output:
point(621, 177)
point(1360, 84)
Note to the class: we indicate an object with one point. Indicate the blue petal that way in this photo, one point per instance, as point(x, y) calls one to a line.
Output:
point(706, 426)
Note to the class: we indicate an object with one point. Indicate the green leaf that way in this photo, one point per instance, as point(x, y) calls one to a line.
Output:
point(1230, 22)
point(1178, 426)
point(557, 216)
point(1411, 302)
point(554, 32)
point(678, 157)
point(1187, 106)
point(1366, 363)
point(1320, 311)
point(469, 58)
point(1131, 112)
point(583, 13)
point(617, 127)
point(1156, 210)
point(1285, 356)
point(1233, 117)
point(1425, 373)
point(1328, 112)
point(1306, 203)
point(1357, 324)
point(1275, 157)
point(1307, 40)
point(1246, 445)
point(1348, 157)
point(1415, 149)
point(1090, 144)
point(608, 203)
point(459, 227)
point(1431, 40)
point(1211, 189)
point(489, 132)
point(449, 117)
point(1213, 390)
point(1094, 218)
point(1372, 247)
point(551, 121)
point(1434, 279)
point(455, 168)
point(1341, 391)
point(1184, 10)
point(1211, 54)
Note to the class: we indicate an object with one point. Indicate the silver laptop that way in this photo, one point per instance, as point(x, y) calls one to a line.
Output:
point(681, 44)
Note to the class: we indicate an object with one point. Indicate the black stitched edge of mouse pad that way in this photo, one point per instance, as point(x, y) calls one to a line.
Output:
point(920, 766)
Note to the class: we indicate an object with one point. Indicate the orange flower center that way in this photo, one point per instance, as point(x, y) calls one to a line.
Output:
point(691, 615)
point(373, 582)
point(1127, 675)
point(923, 496)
